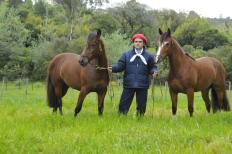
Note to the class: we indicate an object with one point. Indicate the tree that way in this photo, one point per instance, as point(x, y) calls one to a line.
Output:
point(74, 10)
point(12, 38)
point(169, 19)
point(104, 21)
point(186, 32)
point(132, 16)
point(115, 46)
point(224, 54)
point(14, 3)
point(40, 8)
point(209, 39)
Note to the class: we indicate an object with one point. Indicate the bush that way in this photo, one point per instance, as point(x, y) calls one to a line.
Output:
point(115, 45)
point(224, 54)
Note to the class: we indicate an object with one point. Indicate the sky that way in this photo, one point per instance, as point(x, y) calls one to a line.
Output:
point(204, 8)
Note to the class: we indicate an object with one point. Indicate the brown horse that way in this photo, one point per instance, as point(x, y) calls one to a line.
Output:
point(79, 72)
point(188, 75)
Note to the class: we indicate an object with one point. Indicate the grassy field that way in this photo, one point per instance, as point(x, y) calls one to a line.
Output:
point(28, 126)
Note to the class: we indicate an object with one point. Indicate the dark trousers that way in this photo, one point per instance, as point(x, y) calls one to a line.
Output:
point(127, 97)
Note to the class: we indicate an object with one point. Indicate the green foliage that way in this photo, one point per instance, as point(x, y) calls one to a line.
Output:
point(40, 8)
point(198, 53)
point(110, 23)
point(14, 3)
point(43, 53)
point(132, 16)
point(188, 48)
point(186, 32)
point(224, 54)
point(170, 19)
point(209, 39)
point(12, 30)
point(115, 45)
point(32, 32)
point(12, 39)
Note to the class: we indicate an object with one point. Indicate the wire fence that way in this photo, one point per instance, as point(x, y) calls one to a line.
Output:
point(161, 90)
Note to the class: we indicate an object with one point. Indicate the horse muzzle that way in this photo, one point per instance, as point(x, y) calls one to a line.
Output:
point(83, 61)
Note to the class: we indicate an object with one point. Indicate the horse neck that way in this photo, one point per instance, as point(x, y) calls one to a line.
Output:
point(177, 59)
point(102, 60)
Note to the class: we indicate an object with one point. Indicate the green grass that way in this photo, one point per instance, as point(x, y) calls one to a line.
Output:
point(28, 126)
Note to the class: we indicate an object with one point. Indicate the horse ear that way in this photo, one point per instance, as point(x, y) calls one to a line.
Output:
point(160, 31)
point(98, 32)
point(169, 32)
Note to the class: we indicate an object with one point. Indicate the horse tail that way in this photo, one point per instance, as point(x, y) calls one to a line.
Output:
point(225, 103)
point(215, 103)
point(214, 98)
point(51, 96)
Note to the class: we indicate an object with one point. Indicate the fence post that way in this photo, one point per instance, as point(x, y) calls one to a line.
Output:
point(26, 85)
point(6, 82)
point(229, 88)
point(1, 92)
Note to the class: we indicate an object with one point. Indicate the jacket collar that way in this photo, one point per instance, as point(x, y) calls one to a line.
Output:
point(133, 51)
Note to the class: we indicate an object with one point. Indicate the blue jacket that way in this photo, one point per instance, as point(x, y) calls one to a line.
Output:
point(136, 73)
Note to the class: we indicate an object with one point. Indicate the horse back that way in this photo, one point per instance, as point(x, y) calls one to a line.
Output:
point(198, 74)
point(65, 67)
point(210, 71)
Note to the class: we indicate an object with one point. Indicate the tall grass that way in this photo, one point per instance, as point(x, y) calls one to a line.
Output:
point(27, 125)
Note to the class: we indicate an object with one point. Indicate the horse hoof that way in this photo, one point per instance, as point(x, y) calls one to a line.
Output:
point(174, 117)
point(100, 114)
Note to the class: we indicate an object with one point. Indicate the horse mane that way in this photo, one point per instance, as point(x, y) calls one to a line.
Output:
point(188, 55)
point(103, 58)
point(181, 49)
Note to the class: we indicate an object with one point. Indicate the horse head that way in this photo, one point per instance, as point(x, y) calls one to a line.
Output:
point(165, 44)
point(92, 49)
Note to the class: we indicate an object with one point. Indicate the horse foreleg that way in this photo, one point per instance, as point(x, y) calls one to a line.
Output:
point(190, 95)
point(101, 97)
point(81, 98)
point(205, 96)
point(174, 98)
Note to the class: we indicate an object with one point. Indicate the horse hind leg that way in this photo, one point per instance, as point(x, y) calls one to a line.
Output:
point(205, 96)
point(223, 100)
point(217, 98)
point(226, 104)
point(101, 97)
point(58, 93)
point(214, 99)
point(64, 90)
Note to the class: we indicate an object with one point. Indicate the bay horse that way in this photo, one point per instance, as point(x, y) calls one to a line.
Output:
point(79, 72)
point(188, 75)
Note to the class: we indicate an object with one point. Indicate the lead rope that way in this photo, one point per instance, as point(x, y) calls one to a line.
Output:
point(152, 95)
point(110, 87)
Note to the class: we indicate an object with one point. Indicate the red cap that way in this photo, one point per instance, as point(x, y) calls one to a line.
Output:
point(141, 36)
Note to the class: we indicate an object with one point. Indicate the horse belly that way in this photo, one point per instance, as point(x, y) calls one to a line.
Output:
point(206, 75)
point(176, 86)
